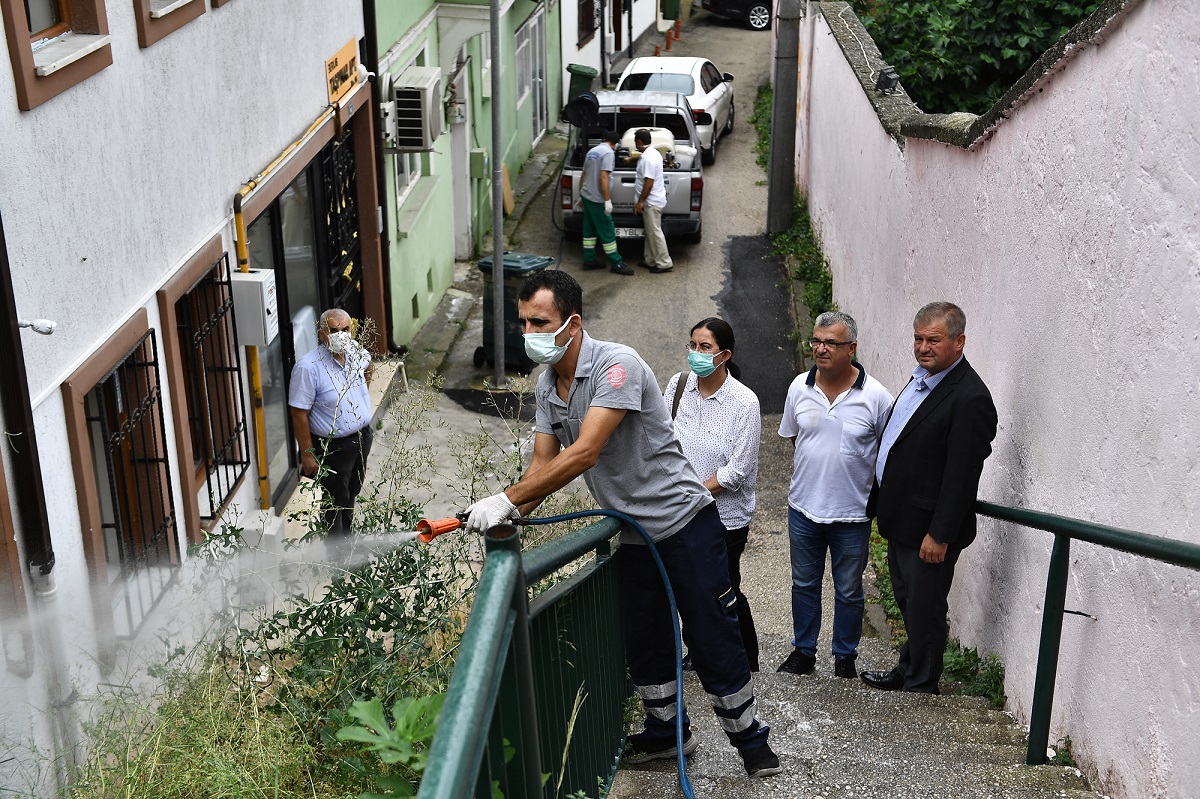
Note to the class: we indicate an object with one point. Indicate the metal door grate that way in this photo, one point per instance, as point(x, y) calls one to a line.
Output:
point(340, 193)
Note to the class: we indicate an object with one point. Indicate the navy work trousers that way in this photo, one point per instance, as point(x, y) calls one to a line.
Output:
point(695, 559)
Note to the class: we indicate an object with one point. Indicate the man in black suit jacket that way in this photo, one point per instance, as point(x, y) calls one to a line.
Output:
point(926, 479)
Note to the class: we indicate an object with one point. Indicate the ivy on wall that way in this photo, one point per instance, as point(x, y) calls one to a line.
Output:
point(962, 55)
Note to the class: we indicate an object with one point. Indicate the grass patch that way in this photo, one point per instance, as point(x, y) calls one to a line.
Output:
point(975, 675)
point(811, 267)
point(761, 120)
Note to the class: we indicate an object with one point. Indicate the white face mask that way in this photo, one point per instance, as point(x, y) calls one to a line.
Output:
point(540, 347)
point(339, 342)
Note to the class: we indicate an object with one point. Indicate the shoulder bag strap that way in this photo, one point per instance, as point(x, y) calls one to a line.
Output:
point(679, 387)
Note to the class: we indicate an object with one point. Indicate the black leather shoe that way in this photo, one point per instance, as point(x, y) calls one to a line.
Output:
point(797, 663)
point(590, 265)
point(644, 265)
point(883, 680)
point(620, 269)
point(659, 270)
point(844, 667)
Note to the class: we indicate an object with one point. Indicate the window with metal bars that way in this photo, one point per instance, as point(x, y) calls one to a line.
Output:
point(589, 20)
point(137, 511)
point(213, 388)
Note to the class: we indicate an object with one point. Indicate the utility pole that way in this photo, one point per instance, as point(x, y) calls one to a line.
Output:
point(781, 166)
point(499, 378)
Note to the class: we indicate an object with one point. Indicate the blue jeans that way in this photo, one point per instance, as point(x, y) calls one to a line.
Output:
point(847, 544)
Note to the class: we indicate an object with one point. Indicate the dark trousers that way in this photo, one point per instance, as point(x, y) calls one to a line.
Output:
point(695, 561)
point(921, 593)
point(735, 545)
point(344, 463)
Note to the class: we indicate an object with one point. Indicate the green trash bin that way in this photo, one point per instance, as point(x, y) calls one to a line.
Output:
point(583, 78)
point(517, 267)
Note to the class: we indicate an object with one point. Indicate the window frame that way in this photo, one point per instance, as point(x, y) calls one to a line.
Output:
point(83, 51)
point(586, 35)
point(178, 287)
point(58, 28)
point(173, 15)
point(523, 59)
point(76, 389)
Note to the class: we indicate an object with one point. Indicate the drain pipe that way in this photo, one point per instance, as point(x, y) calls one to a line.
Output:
point(603, 43)
point(370, 60)
point(28, 496)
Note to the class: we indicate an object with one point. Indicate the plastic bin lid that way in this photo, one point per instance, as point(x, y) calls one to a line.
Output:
point(583, 69)
point(518, 262)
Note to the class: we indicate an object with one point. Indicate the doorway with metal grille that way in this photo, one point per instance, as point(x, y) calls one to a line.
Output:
point(309, 235)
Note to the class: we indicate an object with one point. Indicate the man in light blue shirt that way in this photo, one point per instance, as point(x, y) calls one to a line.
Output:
point(331, 416)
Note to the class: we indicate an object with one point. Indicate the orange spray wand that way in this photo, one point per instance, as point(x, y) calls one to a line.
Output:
point(430, 529)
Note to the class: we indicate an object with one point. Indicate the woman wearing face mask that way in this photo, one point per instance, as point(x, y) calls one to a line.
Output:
point(718, 423)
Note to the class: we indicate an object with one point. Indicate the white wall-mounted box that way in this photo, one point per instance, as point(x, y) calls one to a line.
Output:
point(255, 306)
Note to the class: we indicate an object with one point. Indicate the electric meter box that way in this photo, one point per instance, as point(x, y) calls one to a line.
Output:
point(255, 306)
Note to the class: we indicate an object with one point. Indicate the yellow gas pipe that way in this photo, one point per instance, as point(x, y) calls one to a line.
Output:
point(243, 264)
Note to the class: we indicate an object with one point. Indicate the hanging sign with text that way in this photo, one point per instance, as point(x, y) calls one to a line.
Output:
point(341, 72)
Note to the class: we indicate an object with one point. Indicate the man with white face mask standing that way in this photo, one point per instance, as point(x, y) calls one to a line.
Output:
point(331, 416)
point(600, 415)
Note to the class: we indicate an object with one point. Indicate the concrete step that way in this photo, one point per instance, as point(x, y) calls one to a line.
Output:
point(840, 738)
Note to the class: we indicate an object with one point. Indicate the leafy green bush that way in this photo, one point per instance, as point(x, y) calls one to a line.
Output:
point(962, 55)
point(977, 676)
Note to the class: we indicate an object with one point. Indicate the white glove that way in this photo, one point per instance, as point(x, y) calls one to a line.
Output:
point(489, 512)
point(608, 207)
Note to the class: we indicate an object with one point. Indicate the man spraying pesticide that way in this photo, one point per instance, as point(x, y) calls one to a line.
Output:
point(600, 414)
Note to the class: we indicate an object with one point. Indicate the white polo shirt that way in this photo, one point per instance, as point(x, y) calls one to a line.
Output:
point(836, 445)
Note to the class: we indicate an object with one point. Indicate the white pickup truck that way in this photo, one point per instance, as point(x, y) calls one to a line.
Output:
point(673, 132)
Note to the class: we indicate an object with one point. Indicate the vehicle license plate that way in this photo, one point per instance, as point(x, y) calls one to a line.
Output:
point(630, 233)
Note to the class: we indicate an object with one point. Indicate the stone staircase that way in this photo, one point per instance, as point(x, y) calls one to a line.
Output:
point(838, 739)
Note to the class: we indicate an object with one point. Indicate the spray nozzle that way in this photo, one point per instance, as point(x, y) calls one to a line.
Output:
point(430, 529)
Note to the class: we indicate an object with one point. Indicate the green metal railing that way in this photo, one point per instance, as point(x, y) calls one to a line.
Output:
point(1167, 550)
point(520, 667)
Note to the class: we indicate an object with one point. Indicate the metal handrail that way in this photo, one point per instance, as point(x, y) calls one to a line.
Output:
point(499, 616)
point(1064, 528)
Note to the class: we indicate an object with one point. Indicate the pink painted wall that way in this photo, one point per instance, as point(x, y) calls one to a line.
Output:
point(1071, 238)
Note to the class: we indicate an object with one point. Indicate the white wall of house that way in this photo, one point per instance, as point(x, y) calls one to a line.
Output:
point(645, 18)
point(1071, 239)
point(106, 190)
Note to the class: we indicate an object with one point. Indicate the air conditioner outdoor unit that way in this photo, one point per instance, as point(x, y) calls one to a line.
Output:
point(417, 93)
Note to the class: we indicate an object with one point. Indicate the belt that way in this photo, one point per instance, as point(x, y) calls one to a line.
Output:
point(348, 435)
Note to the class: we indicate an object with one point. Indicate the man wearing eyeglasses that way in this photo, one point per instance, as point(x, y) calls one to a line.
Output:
point(927, 476)
point(834, 415)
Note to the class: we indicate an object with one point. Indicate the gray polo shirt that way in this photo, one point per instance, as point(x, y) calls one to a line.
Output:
point(600, 158)
point(641, 470)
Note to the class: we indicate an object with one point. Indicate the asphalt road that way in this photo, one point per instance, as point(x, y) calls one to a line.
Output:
point(654, 313)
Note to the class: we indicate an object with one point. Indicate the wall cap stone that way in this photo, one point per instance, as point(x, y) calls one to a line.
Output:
point(903, 119)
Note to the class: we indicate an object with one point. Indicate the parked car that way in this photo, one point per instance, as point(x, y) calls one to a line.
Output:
point(707, 89)
point(755, 13)
point(672, 128)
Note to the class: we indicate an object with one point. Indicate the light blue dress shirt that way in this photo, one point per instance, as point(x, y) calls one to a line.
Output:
point(907, 403)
